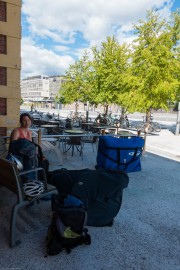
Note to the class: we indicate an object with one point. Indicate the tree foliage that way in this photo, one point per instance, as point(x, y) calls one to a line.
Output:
point(74, 88)
point(139, 77)
point(21, 101)
point(155, 62)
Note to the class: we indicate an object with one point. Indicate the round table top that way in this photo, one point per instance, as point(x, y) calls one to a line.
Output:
point(104, 127)
point(88, 123)
point(54, 121)
point(48, 126)
point(49, 139)
point(73, 131)
point(126, 134)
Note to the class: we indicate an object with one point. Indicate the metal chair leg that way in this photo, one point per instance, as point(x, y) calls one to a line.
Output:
point(13, 242)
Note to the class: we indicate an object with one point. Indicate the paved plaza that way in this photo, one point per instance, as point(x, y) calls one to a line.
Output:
point(146, 231)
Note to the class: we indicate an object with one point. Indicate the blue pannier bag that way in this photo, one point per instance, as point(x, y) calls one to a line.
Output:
point(120, 153)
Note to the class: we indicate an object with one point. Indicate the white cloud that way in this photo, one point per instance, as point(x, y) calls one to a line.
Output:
point(61, 48)
point(61, 23)
point(38, 60)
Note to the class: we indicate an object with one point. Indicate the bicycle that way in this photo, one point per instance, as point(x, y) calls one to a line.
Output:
point(103, 119)
point(149, 126)
point(75, 118)
point(123, 121)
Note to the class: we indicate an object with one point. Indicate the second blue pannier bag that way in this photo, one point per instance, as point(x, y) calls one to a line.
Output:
point(120, 153)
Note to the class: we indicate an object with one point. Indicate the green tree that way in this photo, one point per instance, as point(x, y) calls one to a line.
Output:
point(21, 101)
point(100, 80)
point(74, 88)
point(155, 63)
point(109, 72)
point(145, 78)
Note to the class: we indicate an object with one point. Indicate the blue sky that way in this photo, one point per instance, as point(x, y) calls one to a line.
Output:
point(55, 33)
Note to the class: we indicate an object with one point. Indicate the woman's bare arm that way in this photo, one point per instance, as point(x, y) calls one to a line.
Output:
point(14, 135)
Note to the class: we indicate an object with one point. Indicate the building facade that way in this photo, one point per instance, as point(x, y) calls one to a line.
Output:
point(41, 87)
point(55, 83)
point(10, 64)
point(35, 88)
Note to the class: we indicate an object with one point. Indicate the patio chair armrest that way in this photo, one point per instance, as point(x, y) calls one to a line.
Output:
point(32, 170)
point(36, 170)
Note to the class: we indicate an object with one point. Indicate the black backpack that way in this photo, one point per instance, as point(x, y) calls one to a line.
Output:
point(25, 151)
point(67, 229)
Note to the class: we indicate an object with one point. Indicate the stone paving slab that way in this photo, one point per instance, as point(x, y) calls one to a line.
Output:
point(146, 231)
point(165, 144)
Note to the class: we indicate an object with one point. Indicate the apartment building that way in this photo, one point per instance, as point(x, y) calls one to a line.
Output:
point(41, 87)
point(10, 64)
point(35, 88)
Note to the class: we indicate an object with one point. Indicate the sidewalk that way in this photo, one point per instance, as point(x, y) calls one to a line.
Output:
point(145, 233)
point(164, 144)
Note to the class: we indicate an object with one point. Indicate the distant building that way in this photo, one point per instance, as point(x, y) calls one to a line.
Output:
point(55, 83)
point(10, 64)
point(35, 88)
point(41, 87)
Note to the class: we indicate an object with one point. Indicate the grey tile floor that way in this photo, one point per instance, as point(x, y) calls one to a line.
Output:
point(145, 234)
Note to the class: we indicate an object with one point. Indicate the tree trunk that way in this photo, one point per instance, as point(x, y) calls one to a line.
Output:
point(148, 116)
point(76, 107)
point(122, 116)
point(106, 109)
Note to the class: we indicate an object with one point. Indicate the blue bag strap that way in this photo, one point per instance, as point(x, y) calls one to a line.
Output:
point(118, 149)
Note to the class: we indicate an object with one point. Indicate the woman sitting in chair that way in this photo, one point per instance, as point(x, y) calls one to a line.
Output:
point(21, 145)
point(23, 131)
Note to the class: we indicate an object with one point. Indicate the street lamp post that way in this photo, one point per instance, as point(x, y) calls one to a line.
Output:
point(178, 120)
point(87, 111)
point(58, 108)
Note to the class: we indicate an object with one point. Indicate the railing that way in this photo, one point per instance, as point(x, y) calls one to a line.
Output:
point(39, 135)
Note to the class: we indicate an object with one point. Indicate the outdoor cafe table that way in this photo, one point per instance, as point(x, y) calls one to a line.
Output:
point(49, 127)
point(87, 125)
point(53, 122)
point(126, 133)
point(104, 128)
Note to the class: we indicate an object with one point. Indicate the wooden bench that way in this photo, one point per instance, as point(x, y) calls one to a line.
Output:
point(10, 178)
point(50, 151)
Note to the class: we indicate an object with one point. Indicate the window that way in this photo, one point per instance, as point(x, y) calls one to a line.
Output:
point(3, 11)
point(3, 76)
point(3, 106)
point(3, 46)
point(3, 131)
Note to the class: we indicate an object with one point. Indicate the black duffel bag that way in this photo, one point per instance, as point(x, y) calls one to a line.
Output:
point(101, 190)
